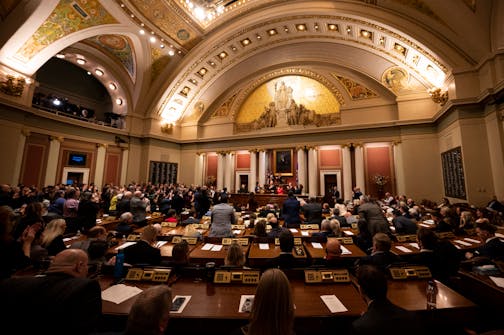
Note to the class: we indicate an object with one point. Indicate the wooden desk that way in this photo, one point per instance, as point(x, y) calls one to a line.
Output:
point(460, 241)
point(200, 256)
point(216, 306)
point(258, 257)
point(408, 245)
point(317, 253)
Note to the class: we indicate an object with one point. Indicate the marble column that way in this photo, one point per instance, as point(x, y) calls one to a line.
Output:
point(359, 168)
point(198, 168)
point(19, 156)
point(253, 170)
point(52, 160)
point(301, 167)
point(347, 173)
point(229, 171)
point(399, 168)
point(312, 172)
point(220, 170)
point(262, 167)
point(124, 166)
point(100, 164)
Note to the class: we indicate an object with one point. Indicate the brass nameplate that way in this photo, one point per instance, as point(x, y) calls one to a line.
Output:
point(298, 241)
point(190, 239)
point(327, 276)
point(238, 226)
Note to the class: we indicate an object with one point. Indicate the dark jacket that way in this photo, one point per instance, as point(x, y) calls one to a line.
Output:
point(142, 253)
point(290, 211)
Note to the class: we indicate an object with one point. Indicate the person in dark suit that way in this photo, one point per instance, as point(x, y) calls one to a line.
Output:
point(381, 256)
point(402, 223)
point(493, 247)
point(60, 302)
point(369, 210)
point(143, 252)
point(286, 259)
point(276, 230)
point(312, 212)
point(382, 316)
point(290, 210)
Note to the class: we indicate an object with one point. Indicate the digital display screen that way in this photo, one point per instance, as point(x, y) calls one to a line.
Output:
point(77, 159)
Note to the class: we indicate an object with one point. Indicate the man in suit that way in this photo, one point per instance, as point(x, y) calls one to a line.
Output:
point(143, 252)
point(286, 259)
point(276, 230)
point(382, 316)
point(60, 302)
point(381, 256)
point(312, 212)
point(290, 210)
point(138, 206)
point(403, 223)
point(493, 247)
point(373, 214)
point(223, 216)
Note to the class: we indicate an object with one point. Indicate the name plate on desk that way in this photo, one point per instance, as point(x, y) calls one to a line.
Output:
point(238, 226)
point(309, 226)
point(298, 241)
point(189, 239)
point(241, 241)
point(410, 272)
point(236, 277)
point(201, 225)
point(169, 224)
point(154, 275)
point(327, 276)
point(345, 240)
point(406, 238)
point(133, 237)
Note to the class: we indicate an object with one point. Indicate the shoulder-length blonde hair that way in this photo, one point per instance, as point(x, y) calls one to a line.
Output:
point(53, 229)
point(235, 256)
point(273, 309)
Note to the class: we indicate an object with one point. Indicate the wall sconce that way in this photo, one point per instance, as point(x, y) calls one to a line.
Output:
point(167, 128)
point(438, 97)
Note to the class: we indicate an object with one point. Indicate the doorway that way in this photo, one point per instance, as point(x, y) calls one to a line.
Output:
point(75, 176)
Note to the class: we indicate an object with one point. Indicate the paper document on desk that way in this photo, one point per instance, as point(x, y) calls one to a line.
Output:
point(217, 247)
point(348, 233)
point(159, 244)
point(119, 293)
point(467, 244)
point(471, 240)
point(316, 245)
point(293, 230)
point(125, 245)
point(207, 246)
point(305, 233)
point(333, 303)
point(424, 225)
point(415, 245)
point(246, 302)
point(345, 251)
point(236, 231)
point(429, 221)
point(403, 249)
point(498, 281)
point(263, 246)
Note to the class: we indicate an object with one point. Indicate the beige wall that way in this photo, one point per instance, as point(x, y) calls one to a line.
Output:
point(12, 144)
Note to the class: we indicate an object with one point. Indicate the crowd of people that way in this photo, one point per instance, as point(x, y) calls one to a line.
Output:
point(33, 224)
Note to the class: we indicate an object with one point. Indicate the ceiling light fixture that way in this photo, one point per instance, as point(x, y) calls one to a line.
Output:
point(112, 86)
point(99, 72)
point(119, 101)
point(81, 61)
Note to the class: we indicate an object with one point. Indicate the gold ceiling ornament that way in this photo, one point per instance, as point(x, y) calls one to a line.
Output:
point(60, 139)
point(356, 90)
point(13, 86)
point(438, 96)
point(396, 79)
point(167, 128)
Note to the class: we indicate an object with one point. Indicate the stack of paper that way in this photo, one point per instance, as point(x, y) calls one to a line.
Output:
point(119, 293)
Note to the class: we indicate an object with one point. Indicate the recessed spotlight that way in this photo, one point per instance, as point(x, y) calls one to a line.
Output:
point(332, 27)
point(81, 61)
point(162, 46)
point(349, 29)
point(223, 55)
point(132, 15)
point(142, 32)
point(245, 42)
point(99, 72)
point(202, 71)
point(171, 53)
point(152, 39)
point(301, 27)
point(258, 36)
point(142, 24)
point(122, 5)
point(119, 101)
point(60, 56)
point(112, 86)
point(272, 32)
point(286, 29)
point(88, 73)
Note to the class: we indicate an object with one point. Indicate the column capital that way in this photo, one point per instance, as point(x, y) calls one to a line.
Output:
point(311, 147)
point(223, 152)
point(60, 139)
point(395, 143)
point(25, 132)
point(253, 151)
point(101, 145)
point(262, 150)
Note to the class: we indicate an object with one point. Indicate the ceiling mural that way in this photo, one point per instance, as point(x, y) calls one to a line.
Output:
point(225, 109)
point(355, 90)
point(68, 17)
point(159, 61)
point(396, 79)
point(170, 19)
point(288, 101)
point(120, 48)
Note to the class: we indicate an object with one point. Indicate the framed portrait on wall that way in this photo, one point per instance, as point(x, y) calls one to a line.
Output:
point(282, 162)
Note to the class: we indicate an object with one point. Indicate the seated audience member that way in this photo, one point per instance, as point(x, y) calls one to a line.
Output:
point(171, 216)
point(192, 218)
point(382, 316)
point(143, 252)
point(190, 231)
point(150, 312)
point(235, 256)
point(273, 308)
point(381, 257)
point(58, 203)
point(446, 222)
point(329, 228)
point(95, 245)
point(364, 240)
point(223, 216)
point(180, 257)
point(124, 227)
point(14, 254)
point(341, 219)
point(276, 230)
point(466, 221)
point(493, 247)
point(52, 238)
point(63, 293)
point(286, 259)
point(260, 228)
point(440, 256)
point(404, 224)
point(333, 258)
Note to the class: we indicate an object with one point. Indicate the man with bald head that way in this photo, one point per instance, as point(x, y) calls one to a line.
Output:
point(138, 207)
point(61, 301)
point(333, 257)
